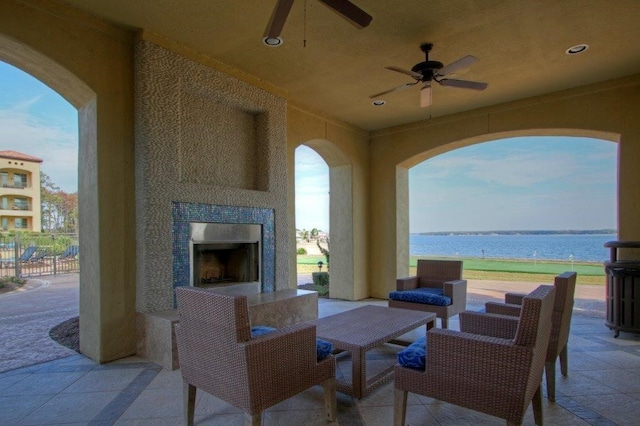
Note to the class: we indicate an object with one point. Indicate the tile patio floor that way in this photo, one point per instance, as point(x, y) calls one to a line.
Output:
point(603, 388)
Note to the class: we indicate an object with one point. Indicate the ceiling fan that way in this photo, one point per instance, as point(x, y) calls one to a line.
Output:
point(345, 8)
point(428, 71)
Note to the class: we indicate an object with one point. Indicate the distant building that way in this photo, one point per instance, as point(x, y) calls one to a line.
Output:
point(20, 207)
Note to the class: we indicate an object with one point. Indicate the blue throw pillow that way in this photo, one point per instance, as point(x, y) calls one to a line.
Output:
point(259, 330)
point(323, 348)
point(414, 355)
point(429, 296)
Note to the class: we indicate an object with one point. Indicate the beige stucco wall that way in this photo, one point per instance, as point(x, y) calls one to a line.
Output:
point(345, 150)
point(31, 192)
point(605, 111)
point(90, 64)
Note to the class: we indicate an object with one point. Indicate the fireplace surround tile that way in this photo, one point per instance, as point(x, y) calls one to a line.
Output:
point(185, 213)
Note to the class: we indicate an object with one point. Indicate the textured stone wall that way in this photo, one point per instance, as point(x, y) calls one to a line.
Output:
point(201, 137)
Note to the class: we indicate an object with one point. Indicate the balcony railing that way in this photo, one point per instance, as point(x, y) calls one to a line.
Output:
point(21, 207)
point(16, 185)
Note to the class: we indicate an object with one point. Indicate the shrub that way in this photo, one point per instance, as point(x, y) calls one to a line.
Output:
point(302, 250)
point(321, 280)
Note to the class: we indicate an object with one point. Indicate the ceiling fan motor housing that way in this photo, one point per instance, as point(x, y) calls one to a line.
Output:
point(427, 69)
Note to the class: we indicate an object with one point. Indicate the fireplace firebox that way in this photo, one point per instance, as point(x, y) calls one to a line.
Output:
point(225, 254)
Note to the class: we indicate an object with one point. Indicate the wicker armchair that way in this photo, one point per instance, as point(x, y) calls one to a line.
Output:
point(444, 276)
point(218, 355)
point(565, 285)
point(494, 365)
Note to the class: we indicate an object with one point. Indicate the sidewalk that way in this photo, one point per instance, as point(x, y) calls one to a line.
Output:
point(27, 315)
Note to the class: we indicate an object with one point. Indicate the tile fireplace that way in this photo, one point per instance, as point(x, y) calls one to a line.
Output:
point(223, 246)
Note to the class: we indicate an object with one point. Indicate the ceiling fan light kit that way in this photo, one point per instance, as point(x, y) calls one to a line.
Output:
point(272, 42)
point(428, 71)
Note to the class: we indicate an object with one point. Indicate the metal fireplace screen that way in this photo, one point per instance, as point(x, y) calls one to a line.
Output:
point(225, 254)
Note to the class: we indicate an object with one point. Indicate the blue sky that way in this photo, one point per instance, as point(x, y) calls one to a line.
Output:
point(312, 190)
point(37, 121)
point(530, 183)
point(511, 184)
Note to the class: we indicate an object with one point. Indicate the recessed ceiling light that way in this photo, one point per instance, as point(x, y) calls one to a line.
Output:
point(378, 102)
point(578, 48)
point(272, 41)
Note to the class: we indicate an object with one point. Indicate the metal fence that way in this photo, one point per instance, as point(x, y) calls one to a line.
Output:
point(32, 256)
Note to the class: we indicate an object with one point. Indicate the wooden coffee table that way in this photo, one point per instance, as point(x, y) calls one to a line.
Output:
point(365, 328)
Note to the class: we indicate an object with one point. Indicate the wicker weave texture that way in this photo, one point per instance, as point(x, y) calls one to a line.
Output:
point(493, 375)
point(565, 285)
point(218, 355)
point(363, 329)
point(441, 274)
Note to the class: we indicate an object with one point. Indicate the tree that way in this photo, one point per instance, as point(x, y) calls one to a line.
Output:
point(314, 233)
point(324, 251)
point(59, 209)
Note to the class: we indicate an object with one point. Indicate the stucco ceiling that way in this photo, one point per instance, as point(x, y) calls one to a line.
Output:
point(520, 43)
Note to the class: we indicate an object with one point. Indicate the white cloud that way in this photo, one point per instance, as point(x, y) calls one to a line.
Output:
point(20, 131)
point(495, 186)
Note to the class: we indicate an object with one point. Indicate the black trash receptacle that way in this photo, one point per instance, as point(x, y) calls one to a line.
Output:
point(623, 290)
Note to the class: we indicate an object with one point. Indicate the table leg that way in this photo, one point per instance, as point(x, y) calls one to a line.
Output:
point(359, 373)
point(431, 324)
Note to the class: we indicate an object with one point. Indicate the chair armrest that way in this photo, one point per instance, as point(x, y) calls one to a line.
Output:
point(408, 283)
point(493, 325)
point(457, 291)
point(292, 347)
point(514, 298)
point(503, 309)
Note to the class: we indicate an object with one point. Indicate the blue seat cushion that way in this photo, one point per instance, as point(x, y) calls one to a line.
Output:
point(259, 330)
point(323, 348)
point(414, 355)
point(429, 296)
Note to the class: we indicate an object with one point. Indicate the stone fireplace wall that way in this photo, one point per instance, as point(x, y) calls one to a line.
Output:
point(204, 138)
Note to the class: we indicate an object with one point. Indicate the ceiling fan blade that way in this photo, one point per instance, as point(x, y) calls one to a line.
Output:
point(464, 84)
point(459, 64)
point(407, 72)
point(395, 89)
point(425, 96)
point(349, 11)
point(278, 18)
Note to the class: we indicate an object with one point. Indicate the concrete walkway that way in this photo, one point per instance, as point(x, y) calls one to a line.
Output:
point(27, 315)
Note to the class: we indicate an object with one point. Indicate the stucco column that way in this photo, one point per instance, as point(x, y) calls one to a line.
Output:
point(629, 189)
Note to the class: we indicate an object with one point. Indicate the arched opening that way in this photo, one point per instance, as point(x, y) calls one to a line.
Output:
point(312, 216)
point(548, 201)
point(83, 99)
point(343, 282)
point(39, 206)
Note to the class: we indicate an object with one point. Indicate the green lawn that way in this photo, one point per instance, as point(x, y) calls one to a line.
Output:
point(500, 269)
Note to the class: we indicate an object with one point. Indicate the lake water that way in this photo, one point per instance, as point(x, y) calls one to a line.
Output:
point(583, 247)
